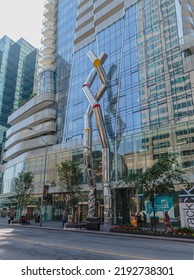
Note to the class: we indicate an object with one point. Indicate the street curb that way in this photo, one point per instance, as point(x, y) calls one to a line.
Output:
point(125, 235)
point(135, 235)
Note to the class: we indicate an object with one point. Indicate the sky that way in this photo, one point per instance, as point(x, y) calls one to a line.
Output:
point(22, 18)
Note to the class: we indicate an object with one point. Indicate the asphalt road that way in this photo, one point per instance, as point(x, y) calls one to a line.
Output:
point(25, 243)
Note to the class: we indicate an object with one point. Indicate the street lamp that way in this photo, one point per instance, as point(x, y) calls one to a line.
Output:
point(44, 178)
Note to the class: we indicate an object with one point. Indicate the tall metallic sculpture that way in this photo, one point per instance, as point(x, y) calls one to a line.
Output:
point(95, 108)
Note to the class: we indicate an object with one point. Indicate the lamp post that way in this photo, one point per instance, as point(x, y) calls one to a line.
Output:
point(44, 178)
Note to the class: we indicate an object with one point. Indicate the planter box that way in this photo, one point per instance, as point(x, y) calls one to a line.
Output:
point(155, 234)
point(93, 223)
point(73, 225)
point(19, 223)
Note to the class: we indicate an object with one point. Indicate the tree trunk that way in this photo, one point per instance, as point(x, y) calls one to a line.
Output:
point(22, 204)
point(73, 214)
point(154, 214)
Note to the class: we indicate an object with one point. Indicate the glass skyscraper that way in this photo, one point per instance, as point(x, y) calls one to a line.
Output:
point(18, 61)
point(17, 76)
point(147, 108)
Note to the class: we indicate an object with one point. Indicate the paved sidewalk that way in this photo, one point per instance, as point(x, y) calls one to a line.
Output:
point(57, 225)
point(47, 224)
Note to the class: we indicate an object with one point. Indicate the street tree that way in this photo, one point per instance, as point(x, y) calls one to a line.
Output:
point(157, 180)
point(132, 181)
point(23, 189)
point(70, 176)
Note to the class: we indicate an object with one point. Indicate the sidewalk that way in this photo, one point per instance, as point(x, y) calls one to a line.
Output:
point(57, 225)
point(47, 224)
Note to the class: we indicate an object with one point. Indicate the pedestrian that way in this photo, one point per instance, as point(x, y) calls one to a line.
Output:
point(167, 223)
point(37, 219)
point(139, 220)
point(144, 219)
point(10, 220)
point(64, 218)
point(23, 219)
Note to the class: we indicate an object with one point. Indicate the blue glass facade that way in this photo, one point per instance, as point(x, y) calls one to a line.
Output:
point(143, 60)
point(49, 81)
point(150, 97)
point(18, 60)
point(66, 20)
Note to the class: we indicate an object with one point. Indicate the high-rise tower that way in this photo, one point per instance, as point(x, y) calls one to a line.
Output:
point(48, 51)
point(17, 80)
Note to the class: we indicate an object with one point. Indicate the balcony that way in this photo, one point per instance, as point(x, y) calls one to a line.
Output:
point(49, 67)
point(48, 31)
point(42, 129)
point(47, 50)
point(50, 4)
point(48, 22)
point(36, 119)
point(28, 145)
point(187, 42)
point(47, 59)
point(188, 63)
point(50, 14)
point(48, 41)
point(31, 107)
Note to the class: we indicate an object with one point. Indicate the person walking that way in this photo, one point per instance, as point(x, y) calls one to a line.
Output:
point(10, 220)
point(64, 218)
point(167, 224)
point(139, 220)
point(144, 219)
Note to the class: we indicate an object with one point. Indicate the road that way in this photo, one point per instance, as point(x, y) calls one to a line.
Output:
point(28, 243)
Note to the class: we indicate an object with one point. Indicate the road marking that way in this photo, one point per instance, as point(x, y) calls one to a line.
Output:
point(82, 249)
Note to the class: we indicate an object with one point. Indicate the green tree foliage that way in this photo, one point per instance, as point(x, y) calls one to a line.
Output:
point(32, 95)
point(69, 175)
point(21, 102)
point(23, 189)
point(158, 179)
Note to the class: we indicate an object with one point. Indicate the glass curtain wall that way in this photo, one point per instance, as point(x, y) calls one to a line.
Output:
point(150, 95)
point(66, 19)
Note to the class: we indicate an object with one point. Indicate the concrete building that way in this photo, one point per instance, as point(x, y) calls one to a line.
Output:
point(148, 109)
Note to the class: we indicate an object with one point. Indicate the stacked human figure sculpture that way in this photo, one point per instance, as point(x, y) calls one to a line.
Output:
point(94, 107)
